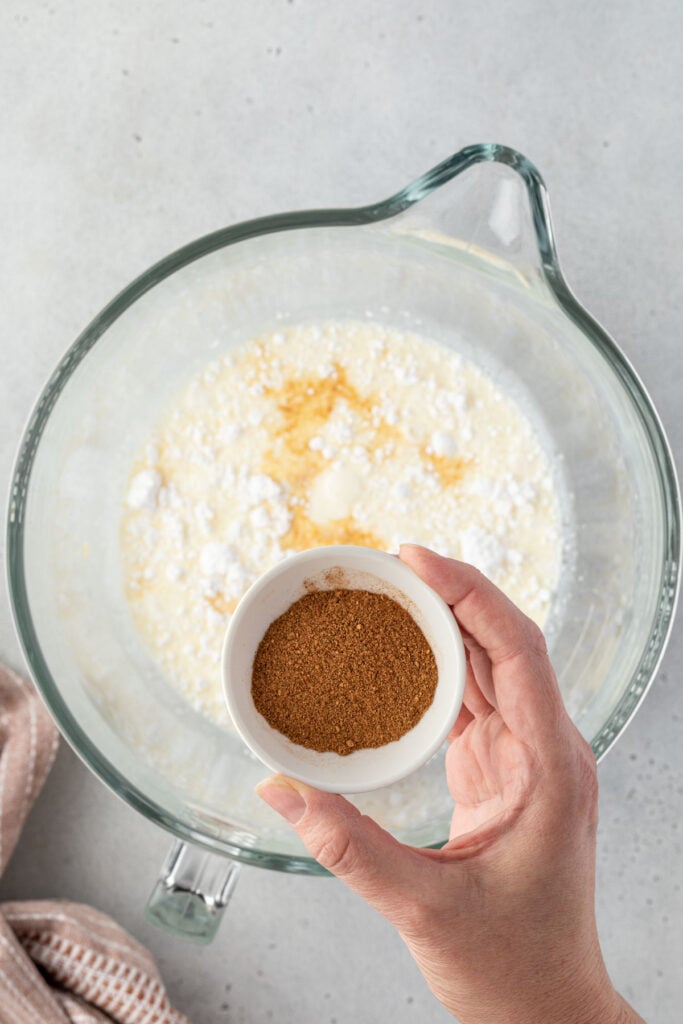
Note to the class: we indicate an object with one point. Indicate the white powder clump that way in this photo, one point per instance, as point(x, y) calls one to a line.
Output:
point(443, 443)
point(260, 488)
point(216, 559)
point(143, 489)
point(484, 550)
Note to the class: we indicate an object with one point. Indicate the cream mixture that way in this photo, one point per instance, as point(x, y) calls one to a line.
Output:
point(322, 434)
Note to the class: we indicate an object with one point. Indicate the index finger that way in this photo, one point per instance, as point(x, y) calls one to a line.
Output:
point(526, 689)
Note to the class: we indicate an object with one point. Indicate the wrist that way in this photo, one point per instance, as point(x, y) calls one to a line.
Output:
point(571, 996)
point(606, 1009)
point(597, 1002)
point(626, 1014)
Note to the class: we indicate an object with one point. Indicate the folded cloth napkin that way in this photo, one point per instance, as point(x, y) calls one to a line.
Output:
point(60, 961)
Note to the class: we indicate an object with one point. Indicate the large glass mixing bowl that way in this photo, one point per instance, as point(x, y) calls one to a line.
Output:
point(465, 256)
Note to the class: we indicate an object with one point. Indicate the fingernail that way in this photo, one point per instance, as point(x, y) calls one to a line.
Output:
point(283, 798)
point(410, 544)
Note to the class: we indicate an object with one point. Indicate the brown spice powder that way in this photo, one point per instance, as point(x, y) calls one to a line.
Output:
point(343, 670)
point(450, 469)
point(304, 405)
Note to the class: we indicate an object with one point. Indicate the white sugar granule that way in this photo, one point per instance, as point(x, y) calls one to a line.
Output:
point(143, 489)
point(335, 433)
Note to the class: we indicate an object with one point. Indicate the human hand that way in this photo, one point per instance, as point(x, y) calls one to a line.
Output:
point(501, 920)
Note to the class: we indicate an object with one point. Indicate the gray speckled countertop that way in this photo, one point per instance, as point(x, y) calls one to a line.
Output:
point(131, 128)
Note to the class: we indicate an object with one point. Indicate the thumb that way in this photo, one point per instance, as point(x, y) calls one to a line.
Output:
point(350, 845)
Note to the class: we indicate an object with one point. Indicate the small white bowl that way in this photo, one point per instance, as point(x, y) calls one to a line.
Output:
point(331, 568)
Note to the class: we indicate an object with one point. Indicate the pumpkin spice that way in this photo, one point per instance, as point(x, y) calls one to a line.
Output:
point(343, 670)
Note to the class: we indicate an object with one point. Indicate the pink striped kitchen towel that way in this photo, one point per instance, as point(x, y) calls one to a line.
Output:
point(60, 961)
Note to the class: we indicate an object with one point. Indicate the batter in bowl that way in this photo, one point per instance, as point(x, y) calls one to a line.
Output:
point(337, 433)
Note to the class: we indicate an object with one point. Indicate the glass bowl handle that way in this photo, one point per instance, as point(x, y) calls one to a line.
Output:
point(192, 892)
